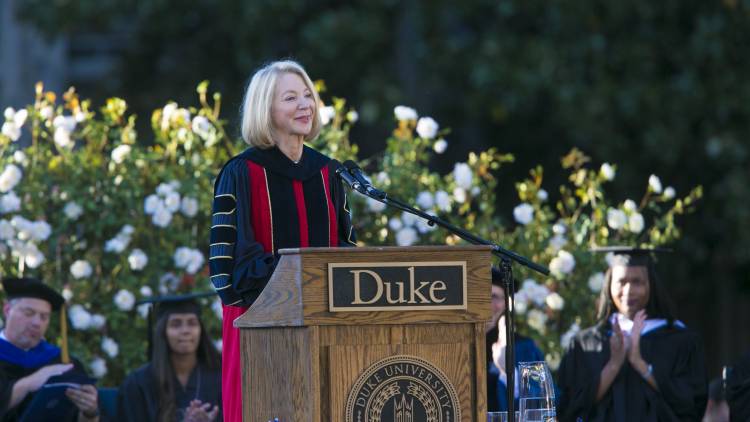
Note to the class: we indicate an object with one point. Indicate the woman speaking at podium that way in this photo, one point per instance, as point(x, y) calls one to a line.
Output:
point(276, 194)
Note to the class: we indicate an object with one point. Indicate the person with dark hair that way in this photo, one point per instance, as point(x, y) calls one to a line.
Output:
point(525, 350)
point(28, 361)
point(638, 363)
point(182, 382)
point(276, 194)
point(738, 389)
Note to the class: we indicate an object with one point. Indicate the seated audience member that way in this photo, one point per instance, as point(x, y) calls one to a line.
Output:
point(27, 361)
point(638, 363)
point(526, 350)
point(182, 382)
point(738, 390)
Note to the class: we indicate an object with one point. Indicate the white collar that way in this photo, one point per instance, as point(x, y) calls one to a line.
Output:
point(626, 324)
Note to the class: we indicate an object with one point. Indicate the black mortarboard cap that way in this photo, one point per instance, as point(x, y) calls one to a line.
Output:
point(31, 287)
point(629, 255)
point(497, 279)
point(171, 304)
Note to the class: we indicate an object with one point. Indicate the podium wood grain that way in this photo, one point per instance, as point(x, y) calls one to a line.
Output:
point(300, 361)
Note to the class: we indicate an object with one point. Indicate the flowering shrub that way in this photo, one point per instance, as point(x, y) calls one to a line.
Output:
point(109, 221)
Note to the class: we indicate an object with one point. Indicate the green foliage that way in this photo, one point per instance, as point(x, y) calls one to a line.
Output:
point(89, 198)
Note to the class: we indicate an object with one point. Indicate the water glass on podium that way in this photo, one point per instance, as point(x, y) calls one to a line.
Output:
point(536, 393)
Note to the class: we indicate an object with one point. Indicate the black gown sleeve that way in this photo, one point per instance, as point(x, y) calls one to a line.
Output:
point(239, 267)
point(682, 381)
point(133, 401)
point(578, 376)
point(738, 390)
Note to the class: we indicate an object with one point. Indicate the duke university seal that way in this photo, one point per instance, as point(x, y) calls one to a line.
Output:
point(402, 389)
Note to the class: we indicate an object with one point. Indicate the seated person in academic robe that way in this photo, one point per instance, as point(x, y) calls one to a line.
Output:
point(526, 350)
point(638, 363)
point(27, 361)
point(183, 380)
point(738, 390)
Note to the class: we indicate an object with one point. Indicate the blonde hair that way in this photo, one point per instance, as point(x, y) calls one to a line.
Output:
point(257, 125)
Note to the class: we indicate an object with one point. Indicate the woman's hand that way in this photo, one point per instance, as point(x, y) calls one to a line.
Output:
point(201, 412)
point(634, 352)
point(498, 347)
point(618, 347)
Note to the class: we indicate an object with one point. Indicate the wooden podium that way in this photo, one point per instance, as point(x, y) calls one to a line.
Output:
point(400, 336)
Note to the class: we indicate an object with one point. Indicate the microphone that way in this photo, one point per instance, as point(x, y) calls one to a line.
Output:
point(359, 175)
point(344, 175)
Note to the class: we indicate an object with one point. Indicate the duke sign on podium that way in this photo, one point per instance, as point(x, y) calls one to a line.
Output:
point(369, 335)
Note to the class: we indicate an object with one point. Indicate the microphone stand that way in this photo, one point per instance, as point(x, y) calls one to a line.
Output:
point(506, 267)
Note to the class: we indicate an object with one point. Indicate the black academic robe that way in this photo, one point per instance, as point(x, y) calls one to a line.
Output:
point(676, 356)
point(16, 364)
point(738, 390)
point(138, 399)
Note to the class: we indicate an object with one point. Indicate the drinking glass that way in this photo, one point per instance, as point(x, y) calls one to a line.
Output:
point(537, 393)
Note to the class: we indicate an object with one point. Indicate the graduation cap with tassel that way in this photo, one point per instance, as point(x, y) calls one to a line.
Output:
point(17, 288)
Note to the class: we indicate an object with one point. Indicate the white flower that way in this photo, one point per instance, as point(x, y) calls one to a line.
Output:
point(542, 195)
point(10, 177)
point(98, 321)
point(557, 242)
point(555, 301)
point(405, 113)
point(218, 344)
point(596, 281)
point(172, 202)
point(409, 219)
point(523, 213)
point(616, 219)
point(7, 231)
point(124, 300)
point(98, 367)
point(65, 122)
point(115, 245)
point(566, 338)
point(352, 116)
point(120, 152)
point(443, 200)
point(62, 138)
point(635, 223)
point(382, 178)
point(520, 302)
point(534, 291)
point(559, 228)
point(406, 236)
point(80, 269)
point(151, 204)
point(33, 257)
point(80, 318)
point(424, 227)
point(427, 127)
point(189, 206)
point(195, 263)
point(47, 112)
point(218, 309)
point(162, 217)
point(40, 230)
point(127, 230)
point(143, 309)
point(463, 175)
point(327, 114)
point(394, 224)
point(425, 200)
point(137, 260)
point(20, 158)
point(375, 206)
point(562, 264)
point(459, 194)
point(654, 184)
point(201, 126)
point(110, 347)
point(181, 257)
point(67, 294)
point(607, 171)
point(537, 320)
point(166, 115)
point(72, 211)
point(669, 193)
point(10, 202)
point(165, 188)
point(629, 205)
point(146, 291)
point(11, 131)
point(440, 146)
